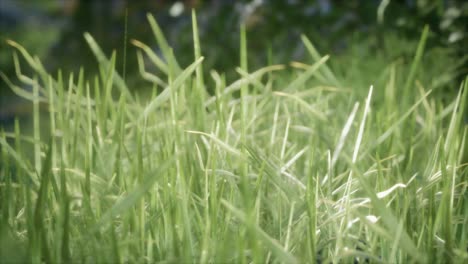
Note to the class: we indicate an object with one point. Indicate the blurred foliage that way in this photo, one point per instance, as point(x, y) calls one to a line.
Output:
point(12, 247)
point(53, 30)
point(331, 24)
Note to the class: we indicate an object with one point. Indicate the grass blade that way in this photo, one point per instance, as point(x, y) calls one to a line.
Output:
point(104, 62)
point(165, 95)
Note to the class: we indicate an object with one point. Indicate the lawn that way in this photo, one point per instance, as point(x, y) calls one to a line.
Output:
point(355, 158)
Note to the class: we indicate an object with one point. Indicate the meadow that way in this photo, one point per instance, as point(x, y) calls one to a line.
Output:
point(360, 158)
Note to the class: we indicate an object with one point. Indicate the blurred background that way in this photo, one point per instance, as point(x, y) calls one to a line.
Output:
point(53, 30)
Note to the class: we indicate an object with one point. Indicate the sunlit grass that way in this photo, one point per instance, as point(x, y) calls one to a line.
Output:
point(285, 164)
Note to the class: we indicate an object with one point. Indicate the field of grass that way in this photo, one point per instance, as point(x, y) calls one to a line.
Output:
point(356, 160)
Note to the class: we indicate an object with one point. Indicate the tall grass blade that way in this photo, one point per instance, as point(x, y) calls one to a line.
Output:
point(41, 206)
point(416, 60)
point(162, 42)
point(104, 62)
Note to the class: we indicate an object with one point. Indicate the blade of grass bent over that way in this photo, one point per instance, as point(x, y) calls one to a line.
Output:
point(307, 74)
point(165, 95)
point(21, 92)
point(152, 56)
point(235, 86)
point(316, 56)
point(146, 75)
point(37, 66)
point(101, 58)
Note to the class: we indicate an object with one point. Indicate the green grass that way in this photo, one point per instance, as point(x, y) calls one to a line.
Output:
point(289, 164)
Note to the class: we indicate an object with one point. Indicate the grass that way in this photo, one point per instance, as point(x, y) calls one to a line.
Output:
point(288, 164)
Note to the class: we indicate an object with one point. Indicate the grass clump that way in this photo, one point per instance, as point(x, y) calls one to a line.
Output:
point(285, 164)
